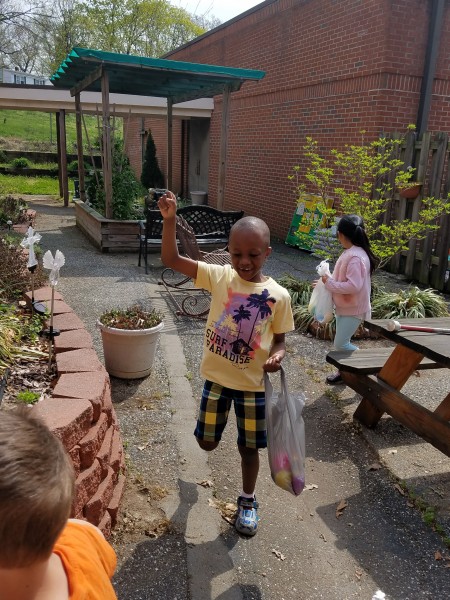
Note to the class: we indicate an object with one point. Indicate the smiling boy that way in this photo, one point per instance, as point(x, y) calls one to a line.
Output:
point(245, 336)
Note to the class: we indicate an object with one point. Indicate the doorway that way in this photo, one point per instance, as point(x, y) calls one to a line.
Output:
point(198, 155)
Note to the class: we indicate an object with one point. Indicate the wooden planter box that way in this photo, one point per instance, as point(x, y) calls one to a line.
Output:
point(106, 234)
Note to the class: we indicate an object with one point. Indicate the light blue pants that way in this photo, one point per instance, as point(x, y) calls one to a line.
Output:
point(345, 328)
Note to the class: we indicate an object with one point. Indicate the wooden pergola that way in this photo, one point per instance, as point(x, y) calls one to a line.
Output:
point(177, 81)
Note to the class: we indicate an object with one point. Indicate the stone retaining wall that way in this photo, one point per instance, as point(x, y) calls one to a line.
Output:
point(80, 413)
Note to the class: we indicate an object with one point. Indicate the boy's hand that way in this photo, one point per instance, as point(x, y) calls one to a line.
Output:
point(167, 204)
point(273, 363)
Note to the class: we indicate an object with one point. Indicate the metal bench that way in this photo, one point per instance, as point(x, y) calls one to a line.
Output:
point(191, 301)
point(211, 227)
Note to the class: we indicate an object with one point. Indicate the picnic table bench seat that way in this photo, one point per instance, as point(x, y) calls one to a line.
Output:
point(210, 225)
point(369, 360)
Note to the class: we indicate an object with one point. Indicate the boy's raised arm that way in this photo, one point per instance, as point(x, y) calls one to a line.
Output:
point(170, 257)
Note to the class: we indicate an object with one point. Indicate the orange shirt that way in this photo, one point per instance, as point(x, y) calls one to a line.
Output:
point(89, 562)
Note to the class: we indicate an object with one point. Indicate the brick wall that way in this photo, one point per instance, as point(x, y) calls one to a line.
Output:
point(333, 67)
point(80, 413)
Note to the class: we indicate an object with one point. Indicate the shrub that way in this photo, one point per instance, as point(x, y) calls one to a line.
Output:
point(72, 167)
point(12, 209)
point(368, 174)
point(300, 291)
point(151, 176)
point(14, 275)
point(20, 163)
point(3, 157)
point(125, 187)
point(28, 397)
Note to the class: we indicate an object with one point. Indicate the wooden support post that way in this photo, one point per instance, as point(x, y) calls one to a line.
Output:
point(223, 146)
point(63, 154)
point(106, 146)
point(58, 149)
point(420, 176)
point(437, 169)
point(81, 173)
point(408, 160)
point(169, 143)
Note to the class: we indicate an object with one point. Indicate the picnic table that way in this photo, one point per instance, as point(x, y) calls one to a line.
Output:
point(379, 374)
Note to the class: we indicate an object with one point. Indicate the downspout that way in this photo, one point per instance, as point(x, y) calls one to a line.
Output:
point(142, 134)
point(183, 155)
point(433, 43)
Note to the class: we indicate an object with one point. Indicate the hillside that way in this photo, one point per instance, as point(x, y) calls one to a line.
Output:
point(31, 130)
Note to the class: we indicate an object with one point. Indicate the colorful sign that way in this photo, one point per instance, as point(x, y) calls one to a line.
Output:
point(306, 221)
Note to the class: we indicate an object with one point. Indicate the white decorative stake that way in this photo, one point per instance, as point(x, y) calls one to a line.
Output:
point(54, 264)
point(28, 242)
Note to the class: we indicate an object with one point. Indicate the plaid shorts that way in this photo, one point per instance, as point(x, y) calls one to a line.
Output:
point(250, 415)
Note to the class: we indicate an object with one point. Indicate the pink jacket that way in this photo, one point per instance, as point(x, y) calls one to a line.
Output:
point(350, 283)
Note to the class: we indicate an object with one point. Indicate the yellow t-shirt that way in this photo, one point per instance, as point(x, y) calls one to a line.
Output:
point(242, 321)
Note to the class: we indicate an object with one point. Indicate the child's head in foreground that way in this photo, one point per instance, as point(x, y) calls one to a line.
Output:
point(249, 246)
point(36, 489)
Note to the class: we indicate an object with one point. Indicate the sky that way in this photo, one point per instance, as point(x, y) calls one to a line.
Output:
point(221, 9)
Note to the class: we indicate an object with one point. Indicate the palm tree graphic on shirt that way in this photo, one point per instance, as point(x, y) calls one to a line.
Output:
point(261, 303)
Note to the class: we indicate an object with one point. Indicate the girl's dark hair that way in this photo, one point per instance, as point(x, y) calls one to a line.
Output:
point(352, 226)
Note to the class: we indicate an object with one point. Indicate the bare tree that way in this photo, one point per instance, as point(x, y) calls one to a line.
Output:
point(19, 33)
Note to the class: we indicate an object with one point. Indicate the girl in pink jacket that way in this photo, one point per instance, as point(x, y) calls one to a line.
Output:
point(350, 283)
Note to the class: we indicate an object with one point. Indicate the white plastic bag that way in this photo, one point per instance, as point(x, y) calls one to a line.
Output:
point(321, 303)
point(285, 436)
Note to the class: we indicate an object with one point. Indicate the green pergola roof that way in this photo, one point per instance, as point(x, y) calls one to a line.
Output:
point(137, 75)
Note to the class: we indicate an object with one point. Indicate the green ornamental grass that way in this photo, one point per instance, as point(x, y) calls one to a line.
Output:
point(411, 303)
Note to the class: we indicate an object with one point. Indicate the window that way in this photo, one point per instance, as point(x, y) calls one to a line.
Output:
point(39, 82)
point(20, 79)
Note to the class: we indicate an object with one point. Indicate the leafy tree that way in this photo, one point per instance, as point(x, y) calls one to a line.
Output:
point(39, 35)
point(151, 176)
point(141, 27)
point(64, 29)
point(369, 174)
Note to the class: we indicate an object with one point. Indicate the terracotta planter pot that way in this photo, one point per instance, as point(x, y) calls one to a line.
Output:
point(129, 353)
point(411, 192)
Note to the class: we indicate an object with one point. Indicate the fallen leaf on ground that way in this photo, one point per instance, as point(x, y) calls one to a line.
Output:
point(311, 486)
point(437, 555)
point(374, 467)
point(278, 554)
point(227, 510)
point(393, 451)
point(399, 489)
point(340, 508)
point(206, 483)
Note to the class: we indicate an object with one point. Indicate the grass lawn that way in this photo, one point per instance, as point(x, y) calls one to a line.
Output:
point(19, 184)
point(41, 127)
